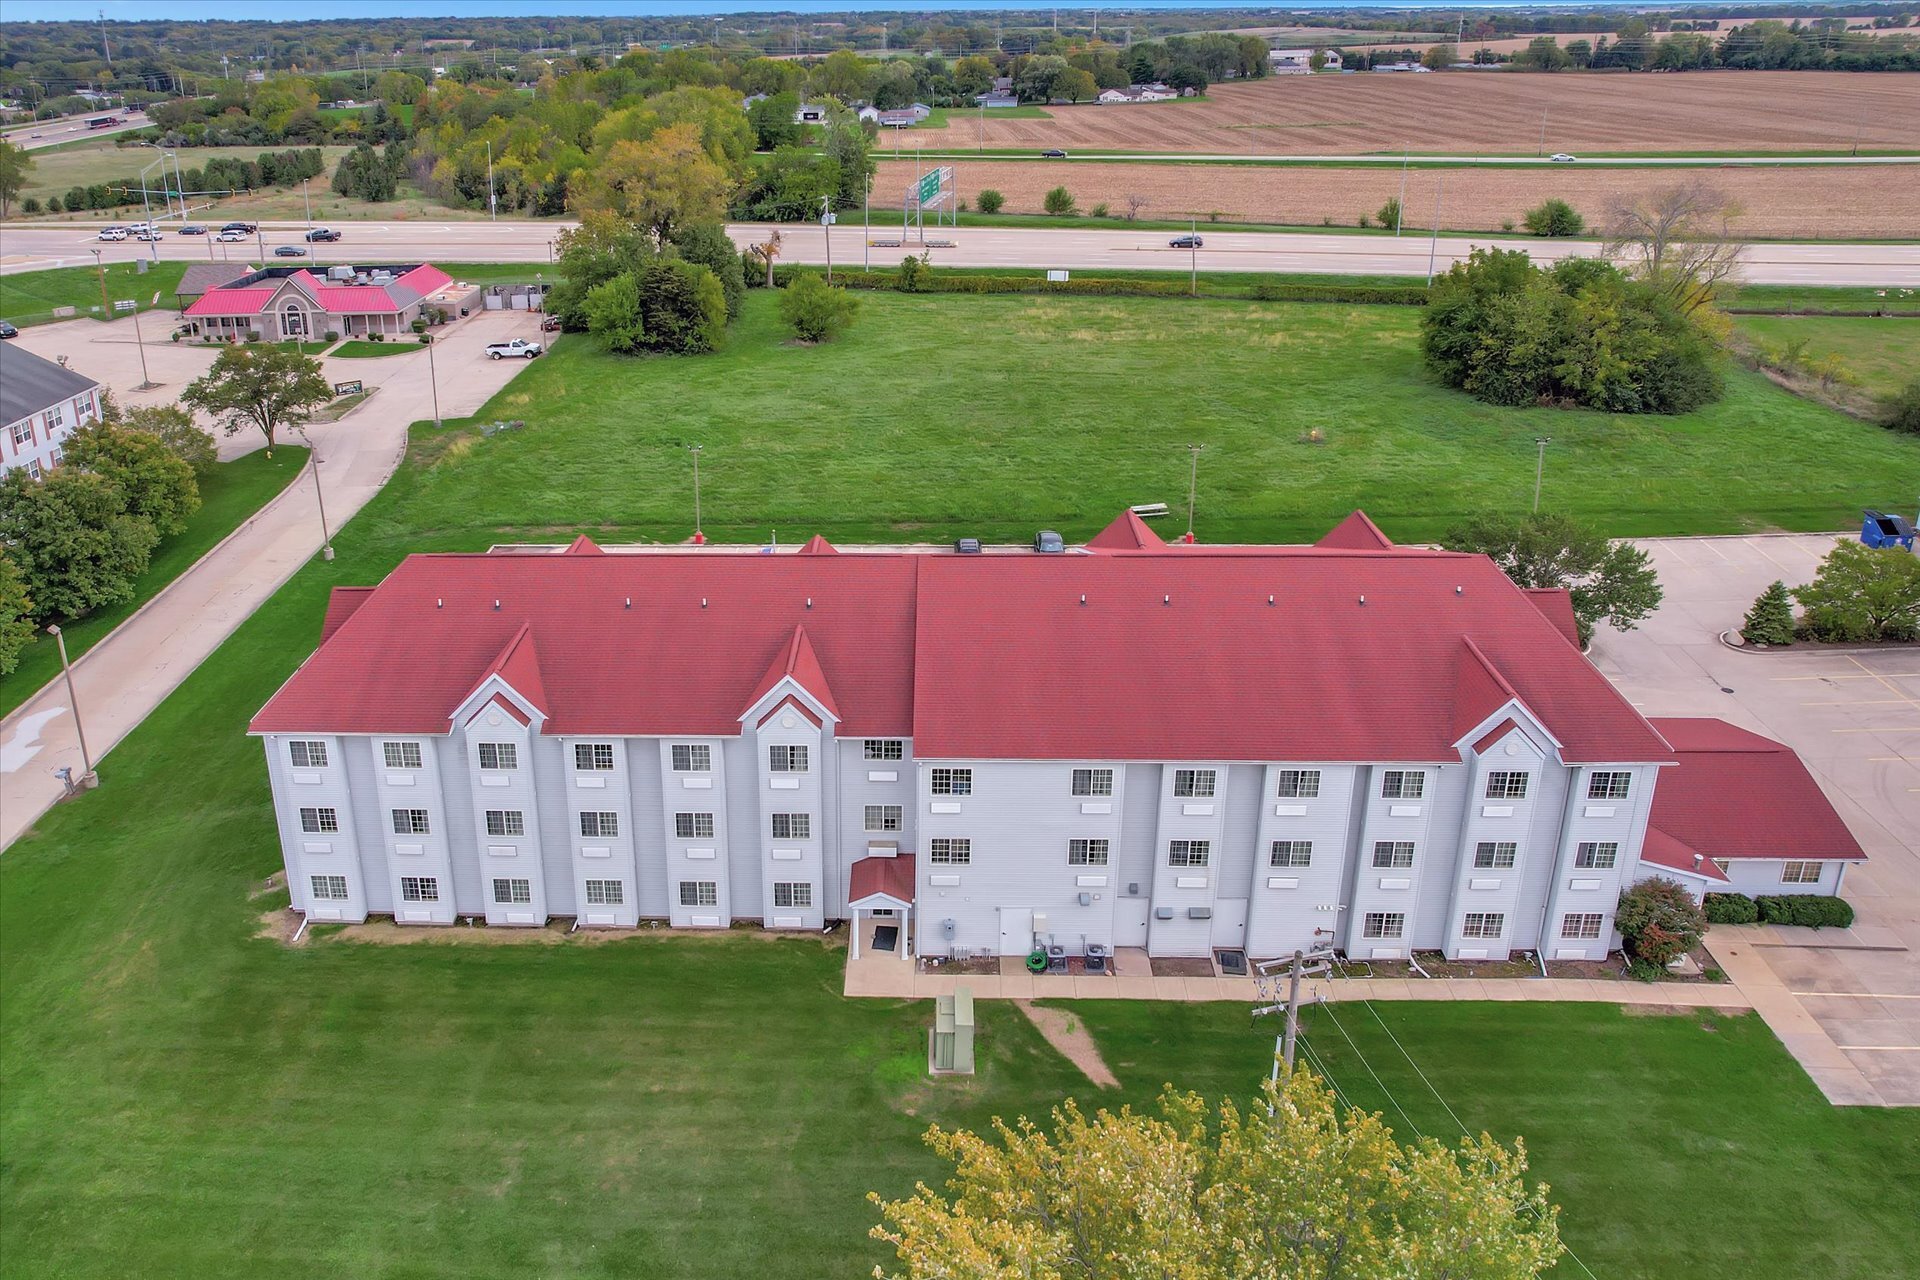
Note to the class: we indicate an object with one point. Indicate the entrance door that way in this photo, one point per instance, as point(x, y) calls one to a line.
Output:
point(1130, 922)
point(1230, 922)
point(1016, 931)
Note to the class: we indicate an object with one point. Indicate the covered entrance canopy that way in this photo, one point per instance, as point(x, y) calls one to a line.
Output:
point(882, 884)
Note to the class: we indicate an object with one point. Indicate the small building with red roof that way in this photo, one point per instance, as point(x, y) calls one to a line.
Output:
point(306, 302)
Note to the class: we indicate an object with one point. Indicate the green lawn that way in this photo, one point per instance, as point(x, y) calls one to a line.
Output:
point(356, 349)
point(1882, 352)
point(935, 417)
point(55, 174)
point(29, 297)
point(228, 497)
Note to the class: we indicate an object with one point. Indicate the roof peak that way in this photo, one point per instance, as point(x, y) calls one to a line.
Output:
point(1356, 533)
point(1128, 532)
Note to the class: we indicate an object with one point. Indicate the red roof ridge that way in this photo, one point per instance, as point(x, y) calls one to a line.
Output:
point(798, 662)
point(1556, 603)
point(583, 546)
point(818, 546)
point(342, 603)
point(1356, 533)
point(1128, 532)
point(518, 665)
point(1479, 688)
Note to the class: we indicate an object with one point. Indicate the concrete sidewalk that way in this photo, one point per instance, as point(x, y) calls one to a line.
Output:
point(123, 678)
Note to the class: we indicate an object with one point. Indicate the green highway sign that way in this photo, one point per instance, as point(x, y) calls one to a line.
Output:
point(930, 187)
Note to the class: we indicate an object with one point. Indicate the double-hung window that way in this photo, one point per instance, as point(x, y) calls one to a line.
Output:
point(1581, 924)
point(787, 759)
point(1189, 853)
point(1403, 784)
point(320, 821)
point(401, 755)
point(692, 757)
point(605, 893)
point(1483, 924)
point(792, 893)
point(884, 748)
point(699, 893)
point(950, 782)
point(1393, 853)
point(599, 824)
point(499, 755)
point(792, 826)
point(693, 826)
point(1502, 785)
point(1093, 782)
point(1299, 784)
point(1383, 924)
point(1609, 785)
point(410, 822)
point(882, 817)
point(307, 755)
point(1291, 853)
point(420, 888)
point(513, 892)
point(329, 888)
point(950, 850)
point(506, 822)
point(1596, 855)
point(592, 757)
point(1495, 854)
point(1801, 873)
point(1088, 853)
point(1193, 783)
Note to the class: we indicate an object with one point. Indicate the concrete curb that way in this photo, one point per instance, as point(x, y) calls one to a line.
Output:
point(1812, 646)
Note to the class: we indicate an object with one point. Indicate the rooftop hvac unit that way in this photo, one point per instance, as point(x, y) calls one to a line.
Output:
point(360, 278)
point(339, 273)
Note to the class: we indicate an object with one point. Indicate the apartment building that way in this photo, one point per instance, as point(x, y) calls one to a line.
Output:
point(41, 404)
point(1179, 748)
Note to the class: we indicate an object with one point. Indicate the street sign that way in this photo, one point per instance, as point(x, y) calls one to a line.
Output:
point(346, 388)
point(930, 187)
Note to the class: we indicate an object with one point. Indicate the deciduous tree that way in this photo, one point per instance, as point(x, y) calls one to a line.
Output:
point(73, 540)
point(261, 386)
point(175, 428)
point(15, 165)
point(1291, 1188)
point(16, 614)
point(1608, 581)
point(658, 184)
point(1659, 920)
point(158, 485)
point(1864, 593)
point(1679, 240)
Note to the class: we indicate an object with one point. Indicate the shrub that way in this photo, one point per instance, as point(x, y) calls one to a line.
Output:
point(1812, 911)
point(914, 276)
point(1506, 224)
point(332, 336)
point(1645, 971)
point(1659, 920)
point(30, 205)
point(1390, 213)
point(1863, 593)
point(419, 326)
point(253, 335)
point(1554, 218)
point(1098, 211)
point(425, 338)
point(1901, 410)
point(1770, 621)
point(991, 201)
point(815, 310)
point(1058, 202)
point(53, 204)
point(1730, 908)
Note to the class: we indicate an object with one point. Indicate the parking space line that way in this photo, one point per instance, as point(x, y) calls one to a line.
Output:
point(1869, 675)
point(1855, 995)
point(1863, 702)
point(1890, 686)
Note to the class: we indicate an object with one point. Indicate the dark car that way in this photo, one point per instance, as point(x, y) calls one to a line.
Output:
point(192, 229)
point(1049, 543)
point(1053, 153)
point(550, 324)
point(1187, 242)
point(244, 228)
point(967, 546)
point(289, 251)
point(7, 330)
point(322, 235)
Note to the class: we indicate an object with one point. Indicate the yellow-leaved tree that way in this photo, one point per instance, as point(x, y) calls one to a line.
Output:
point(1313, 1192)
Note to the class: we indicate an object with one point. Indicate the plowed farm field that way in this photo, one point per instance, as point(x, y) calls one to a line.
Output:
point(1484, 113)
point(1856, 202)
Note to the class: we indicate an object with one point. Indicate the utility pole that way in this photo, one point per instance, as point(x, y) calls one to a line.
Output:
point(1316, 961)
point(146, 381)
point(1193, 484)
point(1292, 1033)
point(699, 538)
point(104, 48)
point(493, 203)
point(1193, 256)
point(826, 229)
point(433, 376)
point(1400, 210)
point(1433, 249)
point(106, 308)
point(1540, 467)
point(87, 778)
point(1542, 148)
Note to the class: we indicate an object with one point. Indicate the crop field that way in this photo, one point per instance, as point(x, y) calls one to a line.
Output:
point(1860, 202)
point(1707, 111)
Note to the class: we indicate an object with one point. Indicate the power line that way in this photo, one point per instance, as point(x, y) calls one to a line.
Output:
point(1388, 1093)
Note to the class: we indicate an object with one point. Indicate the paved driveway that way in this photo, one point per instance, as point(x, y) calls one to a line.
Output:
point(1855, 720)
point(126, 676)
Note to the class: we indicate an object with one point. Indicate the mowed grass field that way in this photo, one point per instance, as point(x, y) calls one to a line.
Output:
point(1490, 113)
point(1882, 352)
point(55, 172)
point(995, 416)
point(31, 296)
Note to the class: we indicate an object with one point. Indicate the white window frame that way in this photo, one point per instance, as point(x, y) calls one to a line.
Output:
point(1195, 784)
point(506, 756)
point(693, 825)
point(1596, 855)
point(706, 893)
point(1495, 855)
point(1403, 784)
point(512, 891)
point(420, 888)
point(319, 820)
point(512, 822)
point(1393, 854)
point(1795, 871)
point(691, 757)
point(1609, 784)
point(785, 757)
point(799, 826)
point(417, 822)
point(1092, 782)
point(19, 440)
point(606, 893)
point(328, 888)
point(1091, 852)
point(1384, 924)
point(1290, 853)
point(1298, 784)
point(882, 817)
point(884, 748)
point(1508, 784)
point(402, 755)
point(1484, 924)
point(599, 824)
point(946, 781)
point(1582, 924)
point(797, 895)
point(950, 851)
point(592, 757)
point(307, 753)
point(1189, 853)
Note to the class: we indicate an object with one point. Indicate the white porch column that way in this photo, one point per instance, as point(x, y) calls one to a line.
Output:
point(856, 933)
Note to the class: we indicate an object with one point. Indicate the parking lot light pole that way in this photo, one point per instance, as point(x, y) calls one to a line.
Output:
point(313, 457)
point(73, 700)
point(1193, 481)
point(699, 538)
point(433, 376)
point(146, 380)
point(106, 308)
point(1193, 256)
point(1540, 467)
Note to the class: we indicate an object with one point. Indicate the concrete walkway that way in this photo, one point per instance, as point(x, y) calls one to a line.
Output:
point(123, 678)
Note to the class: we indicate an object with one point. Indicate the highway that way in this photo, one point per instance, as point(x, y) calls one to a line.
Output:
point(25, 247)
point(1377, 158)
point(51, 133)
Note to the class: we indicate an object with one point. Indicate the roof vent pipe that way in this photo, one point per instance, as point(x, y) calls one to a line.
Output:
point(1083, 597)
point(703, 602)
point(809, 602)
point(1166, 599)
point(1697, 860)
point(1363, 599)
point(440, 603)
point(629, 603)
point(496, 606)
point(1269, 602)
point(1459, 591)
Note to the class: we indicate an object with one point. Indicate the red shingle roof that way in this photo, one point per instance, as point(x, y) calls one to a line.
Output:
point(1356, 533)
point(1736, 794)
point(341, 602)
point(892, 877)
point(819, 546)
point(1557, 604)
point(1663, 850)
point(797, 660)
point(1128, 532)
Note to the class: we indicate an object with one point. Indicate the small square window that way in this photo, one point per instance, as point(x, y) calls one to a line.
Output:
point(1383, 924)
point(792, 893)
point(951, 782)
point(1609, 785)
point(950, 851)
point(1291, 853)
point(1495, 854)
point(1189, 853)
point(786, 759)
point(885, 748)
point(1506, 786)
point(1093, 782)
point(592, 757)
point(1088, 853)
point(693, 826)
point(692, 757)
point(606, 893)
point(410, 822)
point(330, 888)
point(506, 822)
point(1596, 855)
point(308, 755)
point(1393, 853)
point(699, 893)
point(513, 892)
point(499, 755)
point(1299, 784)
point(401, 755)
point(1483, 924)
point(1581, 924)
point(1403, 784)
point(320, 821)
point(599, 824)
point(1193, 783)
point(420, 888)
point(882, 817)
point(792, 826)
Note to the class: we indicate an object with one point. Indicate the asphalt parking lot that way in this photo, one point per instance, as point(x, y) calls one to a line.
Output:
point(1855, 719)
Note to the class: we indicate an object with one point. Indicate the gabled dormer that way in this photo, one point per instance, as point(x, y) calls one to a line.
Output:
point(511, 682)
point(794, 677)
point(1489, 716)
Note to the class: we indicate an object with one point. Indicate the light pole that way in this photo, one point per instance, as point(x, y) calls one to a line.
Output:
point(699, 538)
point(1193, 481)
point(313, 456)
point(1542, 149)
point(1433, 249)
point(73, 700)
point(493, 201)
point(106, 308)
point(433, 377)
point(826, 229)
point(1400, 208)
point(308, 199)
point(1193, 259)
point(1540, 467)
point(146, 380)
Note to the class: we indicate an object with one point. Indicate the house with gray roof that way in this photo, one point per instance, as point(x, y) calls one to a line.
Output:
point(41, 404)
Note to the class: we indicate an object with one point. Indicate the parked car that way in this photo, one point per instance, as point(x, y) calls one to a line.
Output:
point(1187, 242)
point(113, 233)
point(244, 228)
point(967, 546)
point(549, 324)
point(192, 229)
point(1561, 157)
point(322, 235)
point(7, 330)
point(1049, 543)
point(1053, 153)
point(518, 348)
point(289, 251)
point(230, 236)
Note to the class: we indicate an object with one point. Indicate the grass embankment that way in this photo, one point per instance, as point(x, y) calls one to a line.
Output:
point(29, 297)
point(994, 416)
point(228, 497)
point(1882, 354)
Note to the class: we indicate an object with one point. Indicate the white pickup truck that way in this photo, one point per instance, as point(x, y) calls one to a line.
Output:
point(519, 348)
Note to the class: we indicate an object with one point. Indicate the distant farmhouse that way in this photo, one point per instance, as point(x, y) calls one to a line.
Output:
point(903, 118)
point(1299, 62)
point(1155, 92)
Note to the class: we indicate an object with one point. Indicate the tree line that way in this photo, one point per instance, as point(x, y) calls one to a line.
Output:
point(219, 174)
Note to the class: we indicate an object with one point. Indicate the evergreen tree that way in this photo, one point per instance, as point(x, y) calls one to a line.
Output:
point(1770, 621)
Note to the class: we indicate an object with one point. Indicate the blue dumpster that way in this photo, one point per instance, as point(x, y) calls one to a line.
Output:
point(1880, 529)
